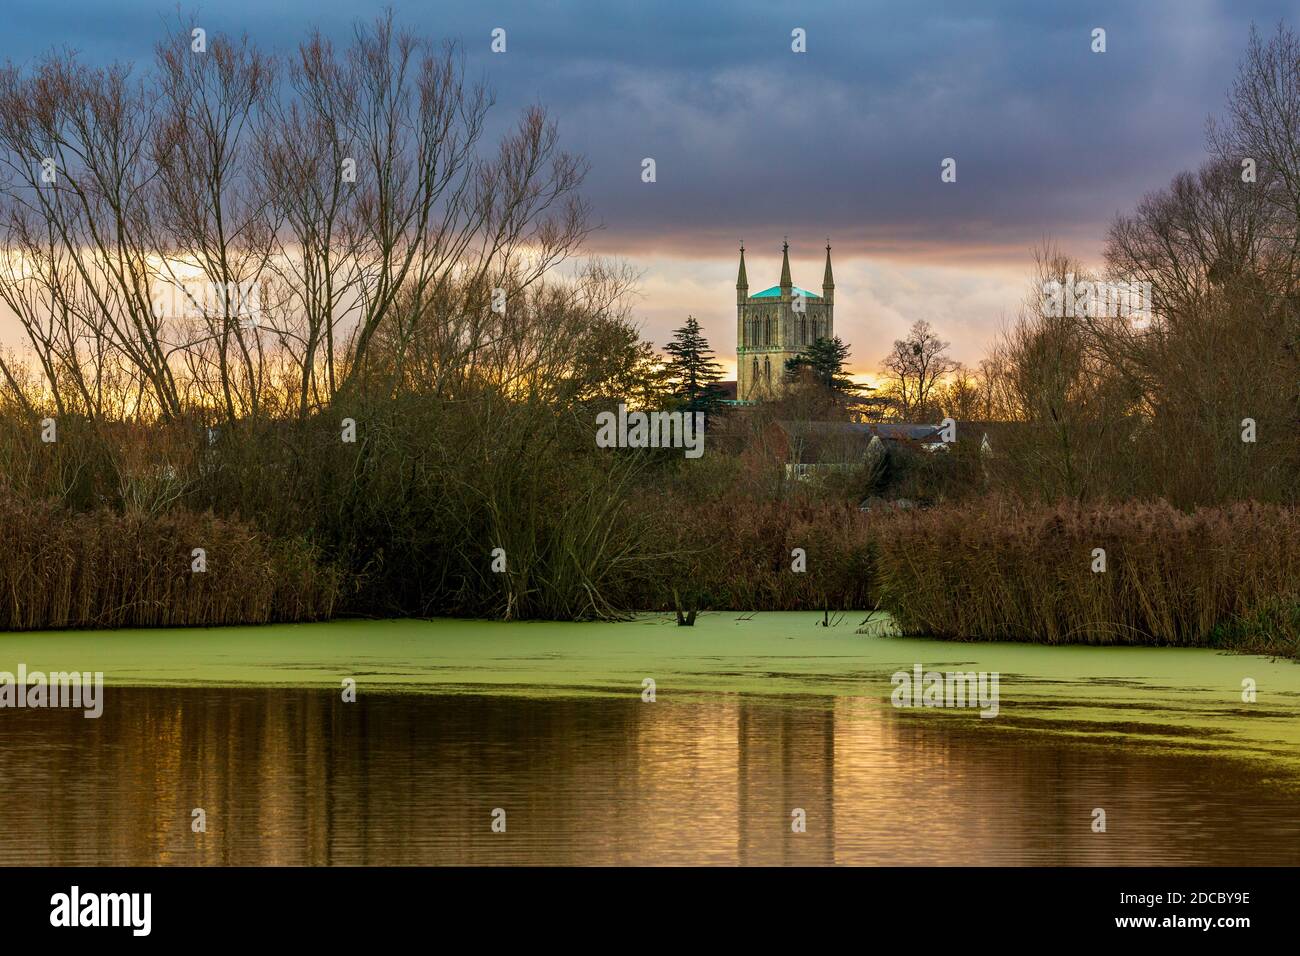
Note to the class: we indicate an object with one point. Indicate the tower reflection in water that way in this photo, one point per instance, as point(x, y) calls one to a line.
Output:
point(299, 777)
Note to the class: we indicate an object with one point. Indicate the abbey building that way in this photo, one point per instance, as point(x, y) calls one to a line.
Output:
point(775, 325)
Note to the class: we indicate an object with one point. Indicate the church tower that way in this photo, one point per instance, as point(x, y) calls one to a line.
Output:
point(775, 325)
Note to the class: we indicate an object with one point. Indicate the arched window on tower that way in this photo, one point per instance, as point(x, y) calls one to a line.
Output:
point(767, 370)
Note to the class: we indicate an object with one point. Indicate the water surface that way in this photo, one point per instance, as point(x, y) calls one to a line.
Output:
point(297, 776)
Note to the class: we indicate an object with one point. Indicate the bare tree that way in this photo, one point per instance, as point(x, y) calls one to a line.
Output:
point(209, 216)
point(71, 139)
point(308, 171)
point(1073, 409)
point(914, 367)
point(351, 205)
point(1262, 129)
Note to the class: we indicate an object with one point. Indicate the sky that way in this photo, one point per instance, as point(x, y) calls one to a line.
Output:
point(845, 141)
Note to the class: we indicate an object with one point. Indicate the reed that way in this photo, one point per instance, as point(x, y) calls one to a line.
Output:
point(740, 554)
point(105, 569)
point(298, 525)
point(1002, 570)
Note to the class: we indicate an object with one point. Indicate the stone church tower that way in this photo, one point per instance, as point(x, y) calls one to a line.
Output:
point(776, 324)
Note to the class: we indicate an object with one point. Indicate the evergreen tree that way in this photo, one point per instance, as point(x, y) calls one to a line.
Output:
point(692, 369)
point(824, 359)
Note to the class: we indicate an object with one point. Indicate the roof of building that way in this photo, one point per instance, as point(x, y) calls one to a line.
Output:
point(839, 441)
point(775, 292)
point(894, 430)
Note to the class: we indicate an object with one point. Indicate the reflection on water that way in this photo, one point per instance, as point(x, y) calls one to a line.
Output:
point(299, 777)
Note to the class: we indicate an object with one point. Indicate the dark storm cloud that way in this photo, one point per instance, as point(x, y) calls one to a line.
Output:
point(751, 139)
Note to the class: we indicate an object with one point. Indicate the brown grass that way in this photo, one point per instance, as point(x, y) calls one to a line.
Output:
point(736, 554)
point(998, 570)
point(103, 569)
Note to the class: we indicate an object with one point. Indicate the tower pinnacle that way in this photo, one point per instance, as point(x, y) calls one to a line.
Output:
point(742, 280)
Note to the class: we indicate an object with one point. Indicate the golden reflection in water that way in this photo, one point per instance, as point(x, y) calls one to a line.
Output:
point(299, 777)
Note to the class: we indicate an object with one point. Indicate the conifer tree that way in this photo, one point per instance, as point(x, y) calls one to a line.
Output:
point(692, 369)
point(824, 359)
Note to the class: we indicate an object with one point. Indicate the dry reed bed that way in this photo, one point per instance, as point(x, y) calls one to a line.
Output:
point(998, 570)
point(103, 569)
point(988, 570)
point(738, 554)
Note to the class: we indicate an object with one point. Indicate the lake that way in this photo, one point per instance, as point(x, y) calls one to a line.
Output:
point(587, 772)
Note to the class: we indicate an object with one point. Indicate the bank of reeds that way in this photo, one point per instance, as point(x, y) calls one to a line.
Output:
point(1272, 628)
point(296, 524)
point(105, 569)
point(1000, 570)
point(750, 554)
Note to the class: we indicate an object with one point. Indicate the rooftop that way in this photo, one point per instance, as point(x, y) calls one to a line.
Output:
point(893, 431)
point(775, 293)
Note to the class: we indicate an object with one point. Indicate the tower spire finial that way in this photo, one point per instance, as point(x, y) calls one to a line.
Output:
point(785, 265)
